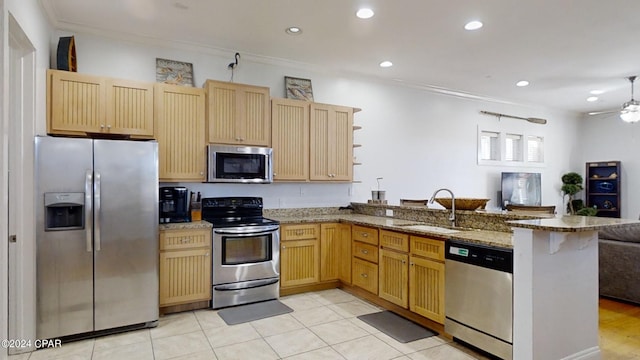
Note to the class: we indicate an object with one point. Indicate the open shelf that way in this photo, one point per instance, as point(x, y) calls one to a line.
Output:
point(603, 187)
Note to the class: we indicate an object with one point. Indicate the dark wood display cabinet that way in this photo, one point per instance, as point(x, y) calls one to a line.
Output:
point(603, 187)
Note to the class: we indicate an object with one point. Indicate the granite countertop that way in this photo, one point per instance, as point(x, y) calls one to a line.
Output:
point(572, 223)
point(491, 238)
point(186, 225)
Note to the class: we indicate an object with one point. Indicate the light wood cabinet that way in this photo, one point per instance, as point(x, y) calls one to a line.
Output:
point(394, 267)
point(79, 104)
point(330, 246)
point(331, 143)
point(365, 275)
point(335, 252)
point(238, 114)
point(364, 234)
point(180, 132)
point(299, 254)
point(185, 266)
point(394, 277)
point(426, 278)
point(364, 265)
point(345, 253)
point(290, 139)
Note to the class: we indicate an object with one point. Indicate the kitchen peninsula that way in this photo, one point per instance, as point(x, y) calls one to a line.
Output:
point(555, 266)
point(555, 288)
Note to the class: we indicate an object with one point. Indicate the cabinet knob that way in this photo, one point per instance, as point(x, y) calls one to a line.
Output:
point(274, 174)
point(404, 261)
point(201, 172)
point(364, 275)
point(365, 235)
point(108, 126)
point(101, 126)
point(283, 247)
point(412, 264)
point(207, 254)
point(365, 251)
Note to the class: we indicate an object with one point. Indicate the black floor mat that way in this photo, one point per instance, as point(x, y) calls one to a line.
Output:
point(251, 312)
point(396, 326)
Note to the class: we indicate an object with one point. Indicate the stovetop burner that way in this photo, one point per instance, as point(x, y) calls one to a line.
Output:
point(234, 212)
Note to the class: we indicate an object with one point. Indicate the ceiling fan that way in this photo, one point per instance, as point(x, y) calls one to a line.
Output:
point(630, 111)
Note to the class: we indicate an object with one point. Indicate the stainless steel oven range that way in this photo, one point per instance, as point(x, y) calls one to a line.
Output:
point(246, 251)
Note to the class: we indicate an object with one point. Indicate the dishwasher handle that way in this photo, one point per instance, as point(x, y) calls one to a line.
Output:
point(490, 257)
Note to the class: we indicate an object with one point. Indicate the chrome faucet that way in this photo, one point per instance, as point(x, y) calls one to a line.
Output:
point(452, 217)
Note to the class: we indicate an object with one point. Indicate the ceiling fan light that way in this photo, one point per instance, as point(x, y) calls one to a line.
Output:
point(632, 105)
point(630, 116)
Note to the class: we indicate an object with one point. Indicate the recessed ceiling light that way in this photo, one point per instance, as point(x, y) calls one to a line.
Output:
point(592, 98)
point(596, 92)
point(522, 83)
point(473, 25)
point(365, 13)
point(293, 30)
point(386, 64)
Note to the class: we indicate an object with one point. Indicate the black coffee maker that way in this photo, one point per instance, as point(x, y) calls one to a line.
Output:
point(174, 204)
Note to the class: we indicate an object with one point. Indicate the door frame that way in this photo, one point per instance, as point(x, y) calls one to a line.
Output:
point(18, 182)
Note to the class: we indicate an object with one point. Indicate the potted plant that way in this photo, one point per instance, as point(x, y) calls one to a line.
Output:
point(571, 185)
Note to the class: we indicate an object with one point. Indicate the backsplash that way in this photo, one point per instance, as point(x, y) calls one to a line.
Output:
point(492, 221)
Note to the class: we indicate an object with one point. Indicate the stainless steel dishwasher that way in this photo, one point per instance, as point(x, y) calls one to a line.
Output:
point(479, 296)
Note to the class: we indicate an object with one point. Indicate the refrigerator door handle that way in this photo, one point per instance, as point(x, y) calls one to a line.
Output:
point(96, 212)
point(88, 208)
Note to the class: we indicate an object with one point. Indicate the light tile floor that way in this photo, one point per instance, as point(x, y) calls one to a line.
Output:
point(323, 326)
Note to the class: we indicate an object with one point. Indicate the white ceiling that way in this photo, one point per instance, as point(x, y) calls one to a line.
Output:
point(564, 48)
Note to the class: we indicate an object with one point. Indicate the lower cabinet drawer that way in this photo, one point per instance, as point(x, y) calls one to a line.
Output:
point(365, 275)
point(365, 251)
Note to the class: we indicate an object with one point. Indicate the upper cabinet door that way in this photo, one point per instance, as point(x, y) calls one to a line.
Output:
point(76, 103)
point(80, 104)
point(331, 143)
point(238, 114)
point(180, 132)
point(130, 107)
point(290, 139)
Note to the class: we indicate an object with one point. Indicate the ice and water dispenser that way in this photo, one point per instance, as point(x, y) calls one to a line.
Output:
point(64, 211)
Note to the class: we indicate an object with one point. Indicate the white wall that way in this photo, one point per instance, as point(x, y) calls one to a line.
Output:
point(606, 138)
point(417, 140)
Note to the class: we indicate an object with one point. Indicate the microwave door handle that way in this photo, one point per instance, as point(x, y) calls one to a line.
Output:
point(96, 213)
point(88, 208)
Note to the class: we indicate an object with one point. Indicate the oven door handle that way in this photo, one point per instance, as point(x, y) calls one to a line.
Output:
point(246, 285)
point(248, 231)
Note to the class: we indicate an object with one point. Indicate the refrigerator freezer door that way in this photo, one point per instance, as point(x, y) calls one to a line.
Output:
point(126, 224)
point(64, 281)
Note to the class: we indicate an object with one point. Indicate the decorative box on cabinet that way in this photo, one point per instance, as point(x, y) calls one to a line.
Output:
point(185, 266)
point(299, 254)
point(238, 114)
point(603, 187)
point(79, 104)
point(426, 277)
point(364, 266)
point(180, 132)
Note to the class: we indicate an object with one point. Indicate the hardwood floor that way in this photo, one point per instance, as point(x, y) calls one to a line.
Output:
point(619, 330)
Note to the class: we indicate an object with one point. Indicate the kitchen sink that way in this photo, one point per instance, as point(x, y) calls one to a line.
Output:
point(429, 228)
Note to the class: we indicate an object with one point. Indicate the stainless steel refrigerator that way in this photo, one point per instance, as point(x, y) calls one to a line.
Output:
point(97, 235)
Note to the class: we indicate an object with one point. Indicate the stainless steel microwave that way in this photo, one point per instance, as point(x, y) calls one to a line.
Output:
point(239, 164)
